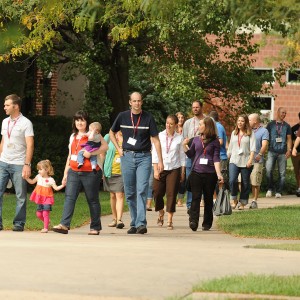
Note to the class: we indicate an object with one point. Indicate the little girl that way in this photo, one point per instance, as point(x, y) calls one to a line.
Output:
point(92, 145)
point(43, 193)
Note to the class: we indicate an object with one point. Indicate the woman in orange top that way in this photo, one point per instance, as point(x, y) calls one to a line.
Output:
point(76, 179)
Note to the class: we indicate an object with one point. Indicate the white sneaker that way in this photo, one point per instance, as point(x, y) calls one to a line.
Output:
point(269, 194)
point(277, 195)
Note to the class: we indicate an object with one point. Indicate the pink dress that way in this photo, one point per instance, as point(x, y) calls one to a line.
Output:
point(43, 192)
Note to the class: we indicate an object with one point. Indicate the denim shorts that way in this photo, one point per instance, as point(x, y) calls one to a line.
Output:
point(41, 207)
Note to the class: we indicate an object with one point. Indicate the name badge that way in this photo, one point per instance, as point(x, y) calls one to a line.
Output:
point(203, 161)
point(11, 146)
point(167, 159)
point(131, 141)
point(240, 151)
point(74, 157)
point(118, 160)
point(278, 140)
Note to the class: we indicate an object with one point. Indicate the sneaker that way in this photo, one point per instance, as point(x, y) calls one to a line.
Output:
point(277, 195)
point(113, 223)
point(18, 228)
point(44, 230)
point(269, 194)
point(132, 230)
point(253, 205)
point(298, 193)
point(120, 224)
point(141, 229)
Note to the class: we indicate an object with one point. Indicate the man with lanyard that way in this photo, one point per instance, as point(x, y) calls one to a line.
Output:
point(280, 149)
point(16, 150)
point(190, 130)
point(262, 141)
point(136, 126)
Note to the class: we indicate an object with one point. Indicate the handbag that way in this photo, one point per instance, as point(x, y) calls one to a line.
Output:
point(222, 205)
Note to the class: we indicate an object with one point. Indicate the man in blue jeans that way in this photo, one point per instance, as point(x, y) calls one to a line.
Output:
point(16, 150)
point(280, 149)
point(137, 126)
point(190, 130)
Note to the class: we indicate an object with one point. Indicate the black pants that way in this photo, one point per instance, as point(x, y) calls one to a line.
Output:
point(202, 184)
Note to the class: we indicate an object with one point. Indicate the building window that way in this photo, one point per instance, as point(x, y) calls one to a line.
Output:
point(267, 73)
point(293, 76)
point(265, 104)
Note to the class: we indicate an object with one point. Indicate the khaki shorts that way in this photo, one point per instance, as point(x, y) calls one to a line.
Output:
point(256, 174)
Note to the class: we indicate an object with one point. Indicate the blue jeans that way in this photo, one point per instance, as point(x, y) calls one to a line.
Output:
point(93, 159)
point(270, 166)
point(150, 186)
point(234, 172)
point(188, 169)
point(136, 170)
point(14, 172)
point(90, 182)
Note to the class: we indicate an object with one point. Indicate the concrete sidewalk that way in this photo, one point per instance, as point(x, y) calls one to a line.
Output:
point(114, 265)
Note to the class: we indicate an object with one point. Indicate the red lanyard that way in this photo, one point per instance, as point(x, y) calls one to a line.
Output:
point(240, 139)
point(9, 132)
point(204, 147)
point(135, 127)
point(279, 129)
point(168, 146)
point(256, 129)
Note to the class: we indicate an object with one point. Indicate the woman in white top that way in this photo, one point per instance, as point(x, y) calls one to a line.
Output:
point(241, 153)
point(167, 182)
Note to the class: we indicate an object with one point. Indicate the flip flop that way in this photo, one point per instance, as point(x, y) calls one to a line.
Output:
point(60, 229)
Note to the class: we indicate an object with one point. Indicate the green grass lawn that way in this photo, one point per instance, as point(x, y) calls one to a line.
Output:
point(81, 213)
point(253, 284)
point(277, 223)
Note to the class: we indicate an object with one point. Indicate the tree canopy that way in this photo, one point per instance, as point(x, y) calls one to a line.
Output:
point(171, 51)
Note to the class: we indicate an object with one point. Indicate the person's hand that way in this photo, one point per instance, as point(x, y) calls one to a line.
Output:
point(294, 152)
point(288, 154)
point(220, 179)
point(257, 158)
point(185, 142)
point(64, 180)
point(120, 151)
point(26, 172)
point(156, 174)
point(160, 166)
point(249, 164)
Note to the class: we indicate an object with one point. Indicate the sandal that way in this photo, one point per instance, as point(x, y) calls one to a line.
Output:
point(44, 230)
point(170, 226)
point(60, 229)
point(113, 223)
point(233, 203)
point(241, 206)
point(120, 224)
point(160, 220)
point(94, 232)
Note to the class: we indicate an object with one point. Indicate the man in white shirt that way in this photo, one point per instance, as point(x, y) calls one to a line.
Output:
point(16, 151)
point(190, 130)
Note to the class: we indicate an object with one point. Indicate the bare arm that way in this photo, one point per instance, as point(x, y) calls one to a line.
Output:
point(58, 187)
point(31, 181)
point(296, 144)
point(112, 136)
point(218, 171)
point(26, 172)
point(156, 142)
point(262, 151)
point(1, 145)
point(289, 146)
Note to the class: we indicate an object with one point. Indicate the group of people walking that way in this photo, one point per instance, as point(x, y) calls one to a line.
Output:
point(193, 152)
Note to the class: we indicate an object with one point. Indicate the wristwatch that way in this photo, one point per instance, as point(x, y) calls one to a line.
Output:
point(28, 164)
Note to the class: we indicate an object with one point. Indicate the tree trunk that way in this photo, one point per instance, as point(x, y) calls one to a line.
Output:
point(118, 81)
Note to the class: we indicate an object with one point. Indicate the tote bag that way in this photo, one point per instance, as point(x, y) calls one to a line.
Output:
point(222, 205)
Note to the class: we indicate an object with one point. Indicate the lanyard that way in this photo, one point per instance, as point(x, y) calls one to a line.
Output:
point(195, 128)
point(240, 139)
point(168, 146)
point(203, 146)
point(256, 129)
point(9, 132)
point(135, 127)
point(279, 129)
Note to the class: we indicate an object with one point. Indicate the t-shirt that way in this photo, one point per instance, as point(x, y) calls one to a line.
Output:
point(278, 130)
point(222, 135)
point(261, 134)
point(14, 148)
point(295, 134)
point(140, 128)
